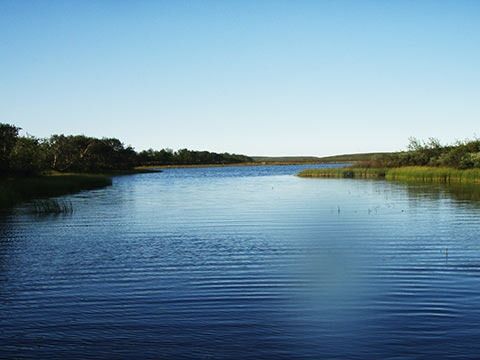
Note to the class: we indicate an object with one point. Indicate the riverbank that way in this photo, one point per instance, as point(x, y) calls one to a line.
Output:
point(345, 172)
point(406, 173)
point(19, 189)
point(134, 171)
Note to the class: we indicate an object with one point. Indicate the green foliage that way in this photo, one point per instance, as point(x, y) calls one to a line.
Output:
point(83, 154)
point(188, 157)
point(423, 161)
point(28, 156)
point(8, 139)
point(434, 174)
point(80, 153)
point(462, 155)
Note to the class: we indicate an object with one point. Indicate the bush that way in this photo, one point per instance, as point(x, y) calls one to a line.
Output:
point(462, 155)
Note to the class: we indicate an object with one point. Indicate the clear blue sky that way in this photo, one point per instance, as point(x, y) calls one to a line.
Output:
point(253, 77)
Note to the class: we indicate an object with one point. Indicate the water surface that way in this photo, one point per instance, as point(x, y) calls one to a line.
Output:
point(244, 263)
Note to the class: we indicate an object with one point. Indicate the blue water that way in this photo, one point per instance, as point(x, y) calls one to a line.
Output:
point(244, 263)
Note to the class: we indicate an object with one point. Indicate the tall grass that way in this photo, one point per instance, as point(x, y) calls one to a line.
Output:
point(16, 190)
point(52, 206)
point(349, 172)
point(434, 174)
point(406, 173)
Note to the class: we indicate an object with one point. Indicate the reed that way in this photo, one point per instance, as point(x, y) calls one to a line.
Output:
point(434, 174)
point(51, 206)
point(348, 172)
point(406, 173)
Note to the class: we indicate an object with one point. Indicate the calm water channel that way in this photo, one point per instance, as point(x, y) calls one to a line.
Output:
point(244, 263)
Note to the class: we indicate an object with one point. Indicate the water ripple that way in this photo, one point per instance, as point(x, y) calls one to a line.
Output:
point(244, 263)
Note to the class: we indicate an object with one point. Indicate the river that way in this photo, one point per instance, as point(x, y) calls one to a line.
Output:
point(244, 263)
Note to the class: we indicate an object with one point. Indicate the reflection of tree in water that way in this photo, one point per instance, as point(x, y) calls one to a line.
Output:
point(466, 193)
point(5, 244)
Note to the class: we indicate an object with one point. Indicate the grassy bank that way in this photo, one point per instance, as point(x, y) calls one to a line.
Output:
point(434, 174)
point(16, 190)
point(348, 172)
point(406, 173)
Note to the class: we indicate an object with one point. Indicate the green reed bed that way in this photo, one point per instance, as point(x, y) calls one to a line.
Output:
point(16, 190)
point(406, 173)
point(349, 172)
point(434, 174)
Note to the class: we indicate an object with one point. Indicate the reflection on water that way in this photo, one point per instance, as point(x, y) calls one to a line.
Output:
point(247, 263)
point(469, 194)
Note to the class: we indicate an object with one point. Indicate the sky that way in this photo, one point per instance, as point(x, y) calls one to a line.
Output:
point(251, 77)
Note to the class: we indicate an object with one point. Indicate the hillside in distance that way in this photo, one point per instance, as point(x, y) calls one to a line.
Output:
point(317, 159)
point(286, 159)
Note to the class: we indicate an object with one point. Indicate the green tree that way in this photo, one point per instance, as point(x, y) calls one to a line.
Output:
point(28, 156)
point(8, 139)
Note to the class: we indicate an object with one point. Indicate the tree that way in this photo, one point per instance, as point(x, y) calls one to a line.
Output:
point(8, 139)
point(66, 152)
point(28, 156)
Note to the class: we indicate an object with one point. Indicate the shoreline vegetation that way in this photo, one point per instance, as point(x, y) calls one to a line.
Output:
point(32, 168)
point(28, 155)
point(407, 173)
point(16, 190)
point(423, 161)
point(35, 168)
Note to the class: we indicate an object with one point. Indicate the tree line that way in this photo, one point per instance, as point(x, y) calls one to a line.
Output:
point(28, 155)
point(460, 155)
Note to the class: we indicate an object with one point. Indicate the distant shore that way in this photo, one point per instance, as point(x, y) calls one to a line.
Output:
point(265, 163)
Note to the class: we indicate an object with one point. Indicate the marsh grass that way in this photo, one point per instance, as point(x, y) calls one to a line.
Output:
point(406, 173)
point(434, 174)
point(16, 190)
point(51, 206)
point(348, 172)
